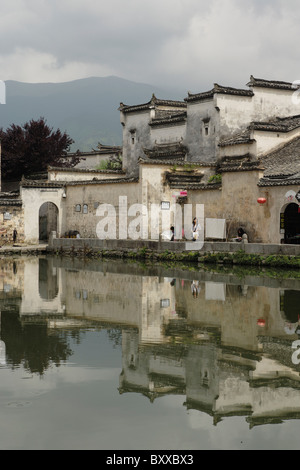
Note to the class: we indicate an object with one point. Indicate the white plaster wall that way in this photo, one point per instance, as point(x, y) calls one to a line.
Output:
point(80, 176)
point(235, 113)
point(33, 199)
point(153, 191)
point(237, 150)
point(269, 141)
point(138, 122)
point(92, 161)
point(202, 147)
point(278, 198)
point(168, 134)
point(269, 103)
point(93, 196)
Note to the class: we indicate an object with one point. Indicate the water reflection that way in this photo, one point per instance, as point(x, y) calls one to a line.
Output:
point(226, 343)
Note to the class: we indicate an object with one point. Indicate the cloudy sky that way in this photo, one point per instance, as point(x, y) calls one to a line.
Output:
point(189, 44)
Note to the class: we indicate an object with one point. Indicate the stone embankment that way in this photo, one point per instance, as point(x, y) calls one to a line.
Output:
point(211, 252)
point(216, 253)
point(23, 250)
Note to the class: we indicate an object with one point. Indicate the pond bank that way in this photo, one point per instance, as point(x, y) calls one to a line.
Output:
point(23, 250)
point(216, 253)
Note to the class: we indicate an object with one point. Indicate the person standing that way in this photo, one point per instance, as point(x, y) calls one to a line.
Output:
point(195, 229)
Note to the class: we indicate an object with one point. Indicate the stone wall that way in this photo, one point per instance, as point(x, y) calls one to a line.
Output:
point(235, 200)
point(84, 201)
point(124, 246)
point(12, 218)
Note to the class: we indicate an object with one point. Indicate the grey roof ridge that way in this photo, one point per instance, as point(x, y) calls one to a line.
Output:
point(154, 101)
point(85, 170)
point(152, 161)
point(219, 89)
point(275, 84)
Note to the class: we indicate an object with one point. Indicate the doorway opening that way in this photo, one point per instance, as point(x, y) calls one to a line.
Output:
point(292, 224)
point(48, 220)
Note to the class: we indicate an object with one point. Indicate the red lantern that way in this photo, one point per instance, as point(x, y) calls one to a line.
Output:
point(261, 323)
point(262, 201)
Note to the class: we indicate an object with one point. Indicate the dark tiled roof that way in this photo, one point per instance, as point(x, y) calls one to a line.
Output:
point(237, 139)
point(262, 83)
point(85, 170)
point(198, 186)
point(107, 148)
point(167, 119)
point(282, 166)
point(283, 162)
point(283, 125)
point(9, 195)
point(188, 181)
point(153, 102)
point(269, 182)
point(167, 151)
point(177, 162)
point(218, 89)
point(278, 124)
point(62, 184)
point(106, 181)
point(242, 167)
point(42, 184)
point(238, 163)
point(102, 150)
point(11, 202)
point(183, 180)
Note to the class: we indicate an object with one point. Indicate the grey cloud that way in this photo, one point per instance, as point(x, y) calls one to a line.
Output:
point(190, 43)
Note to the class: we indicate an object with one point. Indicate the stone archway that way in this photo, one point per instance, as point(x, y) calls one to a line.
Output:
point(48, 220)
point(292, 224)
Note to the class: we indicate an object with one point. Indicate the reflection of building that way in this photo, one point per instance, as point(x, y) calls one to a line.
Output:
point(42, 294)
point(221, 382)
point(225, 350)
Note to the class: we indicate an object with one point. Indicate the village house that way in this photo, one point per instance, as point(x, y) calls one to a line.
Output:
point(225, 149)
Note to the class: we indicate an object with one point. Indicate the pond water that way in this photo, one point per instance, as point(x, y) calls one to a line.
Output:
point(118, 355)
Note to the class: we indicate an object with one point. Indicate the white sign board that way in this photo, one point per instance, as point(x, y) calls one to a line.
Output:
point(215, 228)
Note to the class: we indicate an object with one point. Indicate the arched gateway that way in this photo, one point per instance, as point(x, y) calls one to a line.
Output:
point(48, 220)
point(292, 224)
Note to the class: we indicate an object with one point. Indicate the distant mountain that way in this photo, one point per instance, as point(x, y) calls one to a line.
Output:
point(87, 109)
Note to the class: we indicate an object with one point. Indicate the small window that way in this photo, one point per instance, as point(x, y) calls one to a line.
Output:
point(206, 123)
point(78, 208)
point(133, 135)
point(85, 294)
point(165, 303)
point(85, 208)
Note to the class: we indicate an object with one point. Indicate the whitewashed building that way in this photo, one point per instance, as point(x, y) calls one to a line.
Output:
point(225, 149)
